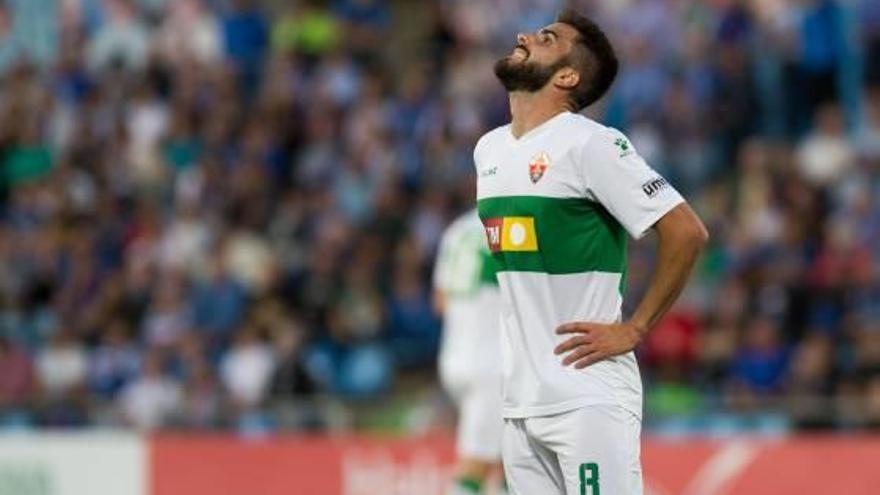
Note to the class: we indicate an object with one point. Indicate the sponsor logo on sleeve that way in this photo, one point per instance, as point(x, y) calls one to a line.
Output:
point(654, 186)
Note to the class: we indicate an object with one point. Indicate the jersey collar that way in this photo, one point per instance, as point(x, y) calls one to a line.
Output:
point(535, 130)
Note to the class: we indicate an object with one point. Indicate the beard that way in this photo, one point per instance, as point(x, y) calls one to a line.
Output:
point(525, 76)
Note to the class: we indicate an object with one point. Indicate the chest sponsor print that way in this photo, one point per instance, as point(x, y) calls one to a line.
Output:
point(511, 234)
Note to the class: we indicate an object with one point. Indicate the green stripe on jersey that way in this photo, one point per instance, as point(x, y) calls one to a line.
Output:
point(487, 270)
point(574, 235)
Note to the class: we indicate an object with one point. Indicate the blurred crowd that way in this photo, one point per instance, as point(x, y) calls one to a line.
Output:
point(219, 213)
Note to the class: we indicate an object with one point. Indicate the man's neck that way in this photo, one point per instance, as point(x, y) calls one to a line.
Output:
point(529, 110)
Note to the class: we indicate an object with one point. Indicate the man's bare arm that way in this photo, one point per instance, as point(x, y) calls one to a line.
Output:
point(681, 237)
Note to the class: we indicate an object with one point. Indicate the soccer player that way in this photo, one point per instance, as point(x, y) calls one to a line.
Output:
point(557, 194)
point(466, 294)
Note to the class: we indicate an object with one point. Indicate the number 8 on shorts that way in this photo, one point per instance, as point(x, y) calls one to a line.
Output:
point(589, 475)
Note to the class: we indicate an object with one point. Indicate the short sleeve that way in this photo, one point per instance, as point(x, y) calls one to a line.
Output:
point(618, 178)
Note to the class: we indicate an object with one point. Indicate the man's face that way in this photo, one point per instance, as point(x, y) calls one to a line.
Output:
point(536, 58)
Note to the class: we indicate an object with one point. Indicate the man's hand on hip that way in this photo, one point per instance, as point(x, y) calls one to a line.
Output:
point(592, 342)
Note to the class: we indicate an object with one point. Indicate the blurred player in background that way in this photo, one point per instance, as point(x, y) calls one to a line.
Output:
point(557, 194)
point(466, 294)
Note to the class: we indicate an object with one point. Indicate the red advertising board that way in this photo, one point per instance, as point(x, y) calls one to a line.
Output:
point(221, 465)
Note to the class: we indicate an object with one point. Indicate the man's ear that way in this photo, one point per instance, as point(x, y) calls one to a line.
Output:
point(566, 78)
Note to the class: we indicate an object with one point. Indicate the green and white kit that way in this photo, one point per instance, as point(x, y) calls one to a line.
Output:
point(469, 362)
point(557, 204)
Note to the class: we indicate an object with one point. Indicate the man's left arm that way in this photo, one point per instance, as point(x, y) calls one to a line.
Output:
point(681, 237)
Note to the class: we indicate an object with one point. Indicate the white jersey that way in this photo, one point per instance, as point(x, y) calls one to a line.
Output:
point(556, 205)
point(464, 273)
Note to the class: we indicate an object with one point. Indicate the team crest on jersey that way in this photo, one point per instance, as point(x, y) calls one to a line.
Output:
point(537, 166)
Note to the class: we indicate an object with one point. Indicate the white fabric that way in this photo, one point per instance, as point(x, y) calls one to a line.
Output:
point(62, 368)
point(246, 372)
point(535, 381)
point(478, 399)
point(617, 178)
point(471, 342)
point(545, 455)
point(459, 256)
point(470, 361)
point(585, 160)
point(149, 401)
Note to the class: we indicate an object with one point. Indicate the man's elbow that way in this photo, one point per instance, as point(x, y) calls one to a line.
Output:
point(684, 228)
point(692, 233)
point(698, 235)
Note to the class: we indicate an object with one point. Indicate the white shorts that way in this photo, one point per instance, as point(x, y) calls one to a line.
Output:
point(592, 450)
point(479, 415)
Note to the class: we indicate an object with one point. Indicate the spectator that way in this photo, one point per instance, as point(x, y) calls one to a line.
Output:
point(115, 362)
point(868, 137)
point(823, 46)
point(826, 154)
point(16, 379)
point(167, 319)
point(28, 158)
point(61, 366)
point(246, 39)
point(189, 33)
point(202, 398)
point(219, 305)
point(247, 369)
point(122, 42)
point(249, 260)
point(152, 399)
point(291, 378)
point(412, 325)
point(366, 21)
point(761, 364)
point(11, 48)
point(307, 28)
point(810, 379)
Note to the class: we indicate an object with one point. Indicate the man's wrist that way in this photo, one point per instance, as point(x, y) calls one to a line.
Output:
point(640, 329)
